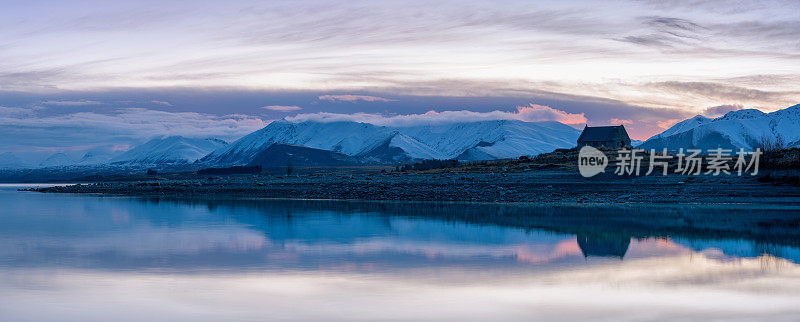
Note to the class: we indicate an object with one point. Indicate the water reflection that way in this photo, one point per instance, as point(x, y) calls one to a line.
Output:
point(82, 257)
point(604, 244)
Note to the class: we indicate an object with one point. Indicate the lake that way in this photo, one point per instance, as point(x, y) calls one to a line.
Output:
point(86, 257)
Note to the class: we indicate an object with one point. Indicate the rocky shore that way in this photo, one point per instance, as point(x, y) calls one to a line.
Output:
point(531, 185)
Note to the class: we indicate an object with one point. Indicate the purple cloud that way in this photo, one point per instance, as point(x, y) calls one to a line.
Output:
point(282, 108)
point(354, 98)
point(721, 110)
point(163, 103)
point(71, 103)
point(34, 135)
point(531, 113)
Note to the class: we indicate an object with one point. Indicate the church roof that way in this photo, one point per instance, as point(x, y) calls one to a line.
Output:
point(602, 133)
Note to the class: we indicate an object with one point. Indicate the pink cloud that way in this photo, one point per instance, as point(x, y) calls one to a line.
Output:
point(282, 108)
point(121, 147)
point(668, 123)
point(616, 121)
point(71, 103)
point(531, 113)
point(716, 111)
point(164, 103)
point(354, 98)
point(537, 113)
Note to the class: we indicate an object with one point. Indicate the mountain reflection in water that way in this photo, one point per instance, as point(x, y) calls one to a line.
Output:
point(72, 257)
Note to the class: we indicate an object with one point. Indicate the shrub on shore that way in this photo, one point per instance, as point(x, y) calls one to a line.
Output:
point(781, 159)
point(429, 164)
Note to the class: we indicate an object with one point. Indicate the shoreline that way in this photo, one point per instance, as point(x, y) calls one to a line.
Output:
point(724, 206)
point(551, 186)
point(627, 205)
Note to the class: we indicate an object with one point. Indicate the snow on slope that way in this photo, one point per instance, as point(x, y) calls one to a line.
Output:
point(9, 160)
point(169, 150)
point(57, 160)
point(495, 139)
point(344, 137)
point(685, 125)
point(94, 157)
point(734, 130)
point(486, 140)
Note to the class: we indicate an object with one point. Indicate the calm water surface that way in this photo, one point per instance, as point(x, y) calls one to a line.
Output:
point(71, 257)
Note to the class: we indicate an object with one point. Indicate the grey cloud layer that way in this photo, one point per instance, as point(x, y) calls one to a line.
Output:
point(33, 133)
point(725, 91)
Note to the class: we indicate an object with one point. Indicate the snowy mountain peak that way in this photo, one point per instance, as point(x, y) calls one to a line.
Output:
point(685, 125)
point(169, 150)
point(9, 160)
point(742, 114)
point(502, 139)
point(737, 129)
point(57, 160)
point(94, 157)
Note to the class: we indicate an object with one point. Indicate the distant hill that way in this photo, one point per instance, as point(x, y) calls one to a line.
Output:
point(9, 160)
point(57, 160)
point(483, 140)
point(169, 150)
point(94, 158)
point(737, 129)
point(281, 155)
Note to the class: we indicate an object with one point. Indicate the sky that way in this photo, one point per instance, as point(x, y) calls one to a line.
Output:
point(83, 75)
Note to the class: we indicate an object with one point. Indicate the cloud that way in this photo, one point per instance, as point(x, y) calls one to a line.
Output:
point(720, 91)
point(71, 102)
point(14, 111)
point(649, 40)
point(667, 32)
point(31, 133)
point(142, 123)
point(671, 24)
point(358, 47)
point(534, 113)
point(354, 98)
point(619, 121)
point(163, 103)
point(414, 98)
point(720, 110)
point(531, 113)
point(668, 123)
point(282, 108)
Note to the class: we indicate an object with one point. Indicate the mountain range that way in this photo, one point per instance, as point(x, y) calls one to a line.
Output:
point(745, 128)
point(57, 160)
point(169, 150)
point(9, 160)
point(314, 143)
point(384, 144)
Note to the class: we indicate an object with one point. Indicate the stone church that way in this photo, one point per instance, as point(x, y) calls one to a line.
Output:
point(612, 137)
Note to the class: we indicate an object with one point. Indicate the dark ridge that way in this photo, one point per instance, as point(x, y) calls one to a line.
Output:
point(230, 170)
point(282, 155)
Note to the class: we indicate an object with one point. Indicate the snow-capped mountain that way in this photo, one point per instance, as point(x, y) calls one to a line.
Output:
point(737, 129)
point(494, 139)
point(465, 141)
point(169, 150)
point(9, 160)
point(95, 157)
point(57, 160)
